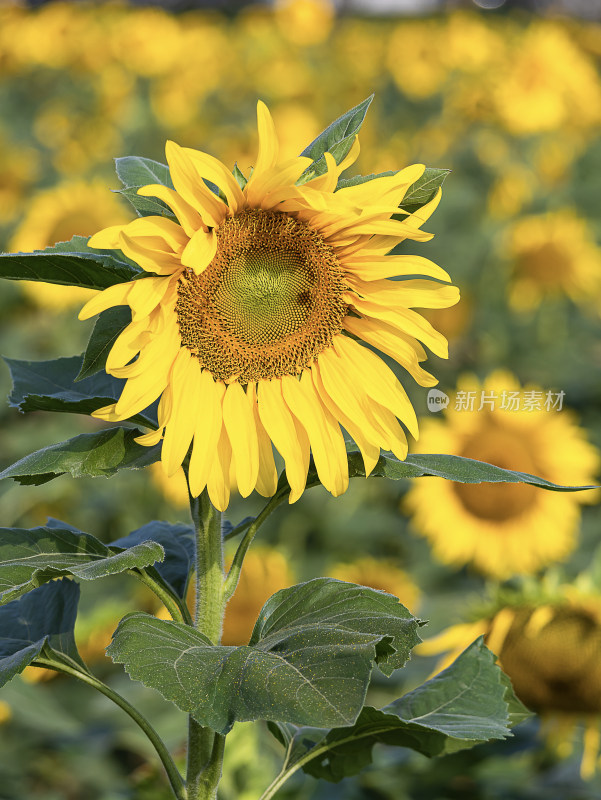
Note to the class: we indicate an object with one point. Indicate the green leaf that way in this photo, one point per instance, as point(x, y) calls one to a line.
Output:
point(53, 386)
point(309, 659)
point(109, 325)
point(146, 206)
point(30, 558)
point(452, 468)
point(178, 543)
point(337, 139)
point(424, 189)
point(467, 704)
point(239, 176)
point(343, 183)
point(68, 263)
point(135, 172)
point(88, 455)
point(138, 171)
point(41, 620)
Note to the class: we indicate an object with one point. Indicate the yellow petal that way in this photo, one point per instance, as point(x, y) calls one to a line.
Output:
point(206, 432)
point(116, 295)
point(218, 484)
point(385, 338)
point(424, 213)
point(213, 170)
point(369, 450)
point(380, 382)
point(148, 293)
point(375, 268)
point(172, 234)
point(150, 439)
point(107, 239)
point(405, 320)
point(280, 426)
point(406, 293)
point(127, 345)
point(325, 436)
point(185, 383)
point(239, 423)
point(192, 188)
point(189, 218)
point(200, 251)
point(267, 479)
point(267, 155)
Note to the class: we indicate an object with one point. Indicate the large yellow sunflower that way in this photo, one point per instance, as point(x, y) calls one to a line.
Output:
point(550, 646)
point(251, 329)
point(504, 529)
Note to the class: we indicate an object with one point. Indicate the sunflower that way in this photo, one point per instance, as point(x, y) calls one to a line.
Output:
point(379, 573)
point(553, 254)
point(69, 209)
point(251, 329)
point(550, 646)
point(504, 529)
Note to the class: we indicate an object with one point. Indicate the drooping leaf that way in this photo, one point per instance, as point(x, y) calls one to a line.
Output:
point(88, 455)
point(424, 189)
point(337, 139)
point(109, 325)
point(30, 558)
point(41, 620)
point(69, 263)
point(440, 465)
point(309, 659)
point(53, 386)
point(467, 704)
point(177, 541)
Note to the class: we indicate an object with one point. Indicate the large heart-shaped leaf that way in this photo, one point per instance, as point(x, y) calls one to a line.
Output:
point(30, 558)
point(53, 386)
point(178, 542)
point(309, 659)
point(68, 263)
point(88, 455)
point(472, 701)
point(337, 139)
point(42, 620)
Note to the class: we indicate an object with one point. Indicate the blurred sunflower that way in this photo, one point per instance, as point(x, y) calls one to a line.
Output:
point(255, 313)
point(173, 488)
point(379, 573)
point(56, 215)
point(550, 646)
point(265, 572)
point(548, 82)
point(553, 254)
point(503, 529)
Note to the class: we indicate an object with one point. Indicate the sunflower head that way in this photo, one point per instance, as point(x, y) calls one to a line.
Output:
point(251, 317)
point(503, 529)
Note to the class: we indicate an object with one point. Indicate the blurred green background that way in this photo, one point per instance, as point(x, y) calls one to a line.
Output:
point(507, 98)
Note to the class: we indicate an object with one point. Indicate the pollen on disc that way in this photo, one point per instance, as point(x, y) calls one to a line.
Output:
point(269, 302)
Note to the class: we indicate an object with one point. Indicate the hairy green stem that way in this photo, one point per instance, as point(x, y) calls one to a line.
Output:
point(175, 779)
point(205, 746)
point(234, 574)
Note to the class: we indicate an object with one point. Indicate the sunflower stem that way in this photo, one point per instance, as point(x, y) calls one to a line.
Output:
point(205, 746)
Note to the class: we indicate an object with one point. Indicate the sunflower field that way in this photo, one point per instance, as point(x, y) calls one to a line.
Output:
point(503, 106)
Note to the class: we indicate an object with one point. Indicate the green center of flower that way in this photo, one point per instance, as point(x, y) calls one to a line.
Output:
point(268, 303)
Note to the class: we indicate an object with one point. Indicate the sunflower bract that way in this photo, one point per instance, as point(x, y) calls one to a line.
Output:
point(242, 325)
